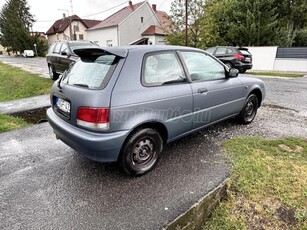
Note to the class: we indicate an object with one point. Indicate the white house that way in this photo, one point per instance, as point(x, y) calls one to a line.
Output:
point(70, 28)
point(134, 24)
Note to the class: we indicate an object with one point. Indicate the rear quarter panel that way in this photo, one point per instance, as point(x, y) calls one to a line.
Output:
point(132, 104)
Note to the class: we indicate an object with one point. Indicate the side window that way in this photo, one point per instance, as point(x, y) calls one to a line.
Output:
point(210, 50)
point(229, 51)
point(202, 67)
point(221, 51)
point(162, 68)
point(50, 50)
point(57, 48)
point(64, 48)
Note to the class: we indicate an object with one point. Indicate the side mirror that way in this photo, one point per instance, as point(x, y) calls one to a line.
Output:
point(233, 72)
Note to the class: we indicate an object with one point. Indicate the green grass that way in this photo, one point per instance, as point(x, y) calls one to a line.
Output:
point(268, 185)
point(277, 74)
point(9, 123)
point(16, 83)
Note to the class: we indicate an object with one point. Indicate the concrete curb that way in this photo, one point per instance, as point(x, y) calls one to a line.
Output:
point(25, 104)
point(195, 217)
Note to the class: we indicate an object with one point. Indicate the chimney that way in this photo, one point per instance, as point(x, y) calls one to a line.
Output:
point(64, 16)
point(154, 7)
point(130, 3)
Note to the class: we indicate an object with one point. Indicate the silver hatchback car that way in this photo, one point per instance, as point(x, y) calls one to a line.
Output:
point(124, 103)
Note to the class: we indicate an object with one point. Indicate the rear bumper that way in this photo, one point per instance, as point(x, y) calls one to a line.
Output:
point(101, 147)
point(243, 66)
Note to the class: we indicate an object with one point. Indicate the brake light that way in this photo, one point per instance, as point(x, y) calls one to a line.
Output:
point(93, 118)
point(238, 57)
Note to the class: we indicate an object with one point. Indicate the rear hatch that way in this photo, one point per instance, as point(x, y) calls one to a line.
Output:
point(247, 55)
point(83, 92)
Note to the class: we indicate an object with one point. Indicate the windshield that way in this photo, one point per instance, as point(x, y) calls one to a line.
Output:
point(91, 74)
point(210, 50)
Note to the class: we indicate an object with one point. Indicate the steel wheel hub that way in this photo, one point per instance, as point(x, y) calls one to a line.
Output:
point(143, 152)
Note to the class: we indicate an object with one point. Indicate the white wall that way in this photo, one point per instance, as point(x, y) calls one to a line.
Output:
point(132, 28)
point(290, 64)
point(156, 39)
point(263, 57)
point(103, 35)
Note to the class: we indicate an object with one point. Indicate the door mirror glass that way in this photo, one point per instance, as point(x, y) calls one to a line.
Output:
point(233, 72)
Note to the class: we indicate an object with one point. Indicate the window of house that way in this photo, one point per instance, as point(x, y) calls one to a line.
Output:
point(162, 69)
point(109, 43)
point(203, 67)
point(76, 27)
point(81, 37)
point(142, 19)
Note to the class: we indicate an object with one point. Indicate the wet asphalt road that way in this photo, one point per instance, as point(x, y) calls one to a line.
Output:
point(46, 185)
point(289, 93)
point(34, 65)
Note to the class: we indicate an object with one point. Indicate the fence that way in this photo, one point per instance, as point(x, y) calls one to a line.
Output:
point(273, 58)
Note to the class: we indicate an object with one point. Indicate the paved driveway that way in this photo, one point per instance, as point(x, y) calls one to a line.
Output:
point(34, 65)
point(46, 185)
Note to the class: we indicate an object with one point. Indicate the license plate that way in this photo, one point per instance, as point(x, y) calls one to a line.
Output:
point(247, 59)
point(63, 105)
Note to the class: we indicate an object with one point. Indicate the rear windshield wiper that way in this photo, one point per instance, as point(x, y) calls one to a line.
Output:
point(81, 85)
point(174, 81)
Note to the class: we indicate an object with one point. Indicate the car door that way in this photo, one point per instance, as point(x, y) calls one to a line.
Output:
point(64, 57)
point(215, 95)
point(56, 57)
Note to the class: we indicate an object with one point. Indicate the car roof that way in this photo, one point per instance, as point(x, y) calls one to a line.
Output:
point(122, 51)
point(232, 47)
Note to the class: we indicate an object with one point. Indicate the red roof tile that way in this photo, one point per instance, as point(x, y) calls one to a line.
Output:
point(60, 25)
point(153, 30)
point(163, 17)
point(116, 18)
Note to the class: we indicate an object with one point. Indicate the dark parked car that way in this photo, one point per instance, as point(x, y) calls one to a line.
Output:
point(233, 57)
point(124, 103)
point(61, 54)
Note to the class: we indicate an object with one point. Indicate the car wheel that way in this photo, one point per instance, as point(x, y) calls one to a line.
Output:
point(141, 151)
point(52, 74)
point(228, 64)
point(249, 111)
point(242, 70)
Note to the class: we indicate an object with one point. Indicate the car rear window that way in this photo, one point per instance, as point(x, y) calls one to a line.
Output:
point(92, 74)
point(245, 52)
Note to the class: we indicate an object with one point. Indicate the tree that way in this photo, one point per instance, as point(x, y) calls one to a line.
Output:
point(15, 23)
point(292, 18)
point(176, 35)
point(242, 22)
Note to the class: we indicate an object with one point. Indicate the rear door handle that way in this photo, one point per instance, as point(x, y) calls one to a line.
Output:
point(202, 91)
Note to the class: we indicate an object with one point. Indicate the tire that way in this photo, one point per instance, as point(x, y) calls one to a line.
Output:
point(242, 70)
point(141, 151)
point(52, 74)
point(228, 64)
point(249, 111)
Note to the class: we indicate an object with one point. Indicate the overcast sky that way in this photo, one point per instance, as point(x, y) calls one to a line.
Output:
point(47, 11)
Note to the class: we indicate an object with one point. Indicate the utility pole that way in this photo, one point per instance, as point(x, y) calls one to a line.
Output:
point(69, 23)
point(186, 22)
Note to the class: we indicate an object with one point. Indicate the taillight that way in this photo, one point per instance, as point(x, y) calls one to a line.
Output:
point(93, 118)
point(238, 57)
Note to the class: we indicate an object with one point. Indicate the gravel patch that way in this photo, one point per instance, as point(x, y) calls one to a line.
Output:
point(269, 123)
